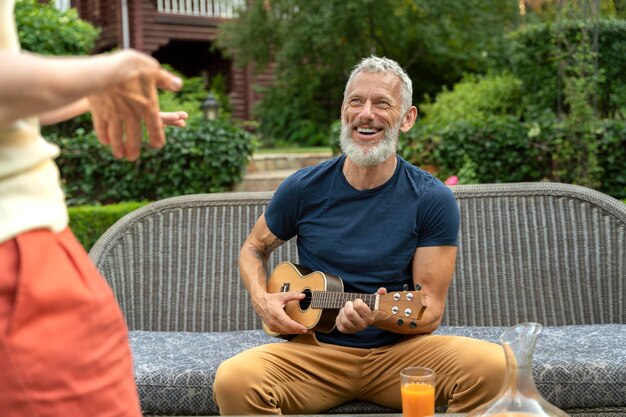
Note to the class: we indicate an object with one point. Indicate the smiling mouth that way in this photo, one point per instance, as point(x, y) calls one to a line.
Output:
point(368, 130)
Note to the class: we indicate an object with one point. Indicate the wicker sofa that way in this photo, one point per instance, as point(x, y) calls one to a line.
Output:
point(544, 252)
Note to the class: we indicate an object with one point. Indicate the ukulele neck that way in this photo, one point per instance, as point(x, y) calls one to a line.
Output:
point(336, 300)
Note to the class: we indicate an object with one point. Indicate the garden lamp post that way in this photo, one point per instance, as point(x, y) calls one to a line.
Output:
point(210, 107)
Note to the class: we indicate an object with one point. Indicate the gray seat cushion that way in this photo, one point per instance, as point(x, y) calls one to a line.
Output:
point(175, 370)
point(574, 366)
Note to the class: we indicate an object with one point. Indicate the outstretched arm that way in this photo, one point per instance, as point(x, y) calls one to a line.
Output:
point(120, 89)
point(32, 84)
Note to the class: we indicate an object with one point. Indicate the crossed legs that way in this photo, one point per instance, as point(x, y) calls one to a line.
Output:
point(303, 376)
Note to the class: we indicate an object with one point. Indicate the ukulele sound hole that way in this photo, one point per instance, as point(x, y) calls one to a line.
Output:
point(305, 303)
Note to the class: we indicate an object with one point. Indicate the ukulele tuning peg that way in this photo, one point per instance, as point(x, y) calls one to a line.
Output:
point(394, 310)
point(405, 287)
point(396, 296)
point(407, 312)
point(412, 325)
point(400, 322)
point(409, 296)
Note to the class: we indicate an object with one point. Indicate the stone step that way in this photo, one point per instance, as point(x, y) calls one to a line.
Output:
point(265, 172)
point(282, 161)
point(263, 181)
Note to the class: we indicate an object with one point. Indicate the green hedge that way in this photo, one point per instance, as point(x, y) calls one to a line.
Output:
point(205, 156)
point(89, 222)
point(493, 150)
point(555, 119)
point(535, 60)
point(503, 149)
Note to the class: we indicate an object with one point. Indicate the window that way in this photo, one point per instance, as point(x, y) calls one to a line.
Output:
point(62, 5)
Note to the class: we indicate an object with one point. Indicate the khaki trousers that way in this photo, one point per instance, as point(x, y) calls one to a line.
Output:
point(304, 376)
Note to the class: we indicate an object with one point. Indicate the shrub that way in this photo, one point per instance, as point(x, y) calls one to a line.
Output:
point(193, 92)
point(474, 98)
point(45, 30)
point(205, 156)
point(89, 222)
point(537, 61)
point(285, 125)
point(611, 140)
point(334, 137)
point(554, 118)
point(504, 149)
point(497, 149)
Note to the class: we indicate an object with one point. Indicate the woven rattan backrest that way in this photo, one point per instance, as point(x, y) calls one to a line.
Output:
point(544, 252)
point(173, 264)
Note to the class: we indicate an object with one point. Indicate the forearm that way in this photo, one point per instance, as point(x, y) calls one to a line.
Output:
point(253, 269)
point(32, 85)
point(434, 266)
point(64, 113)
point(270, 306)
point(254, 256)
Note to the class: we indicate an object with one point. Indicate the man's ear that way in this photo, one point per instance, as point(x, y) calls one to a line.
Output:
point(408, 120)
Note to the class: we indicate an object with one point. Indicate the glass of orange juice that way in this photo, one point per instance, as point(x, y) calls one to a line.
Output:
point(417, 386)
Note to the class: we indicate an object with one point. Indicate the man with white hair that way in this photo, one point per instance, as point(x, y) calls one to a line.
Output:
point(382, 225)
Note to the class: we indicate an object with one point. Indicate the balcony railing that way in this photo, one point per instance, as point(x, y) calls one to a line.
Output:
point(226, 9)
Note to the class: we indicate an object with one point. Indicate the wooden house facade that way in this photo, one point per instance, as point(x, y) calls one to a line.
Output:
point(180, 33)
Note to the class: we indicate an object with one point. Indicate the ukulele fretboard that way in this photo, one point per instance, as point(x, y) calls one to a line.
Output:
point(336, 300)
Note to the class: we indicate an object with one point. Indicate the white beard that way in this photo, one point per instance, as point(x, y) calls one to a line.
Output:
point(369, 155)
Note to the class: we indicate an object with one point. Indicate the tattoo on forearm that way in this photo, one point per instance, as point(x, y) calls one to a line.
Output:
point(276, 243)
point(263, 254)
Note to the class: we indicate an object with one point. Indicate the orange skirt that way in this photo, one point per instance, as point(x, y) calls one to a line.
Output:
point(63, 342)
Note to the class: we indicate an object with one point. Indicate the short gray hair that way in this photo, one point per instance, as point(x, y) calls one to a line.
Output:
point(374, 64)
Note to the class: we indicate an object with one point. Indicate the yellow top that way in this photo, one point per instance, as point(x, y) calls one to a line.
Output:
point(30, 192)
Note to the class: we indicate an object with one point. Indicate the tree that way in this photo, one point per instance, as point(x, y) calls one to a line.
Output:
point(555, 111)
point(315, 45)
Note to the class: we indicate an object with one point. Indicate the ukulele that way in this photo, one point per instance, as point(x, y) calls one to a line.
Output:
point(325, 297)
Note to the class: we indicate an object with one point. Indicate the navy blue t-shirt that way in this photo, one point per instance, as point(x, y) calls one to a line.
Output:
point(367, 238)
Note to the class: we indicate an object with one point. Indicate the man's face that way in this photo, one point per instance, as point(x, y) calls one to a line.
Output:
point(371, 117)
